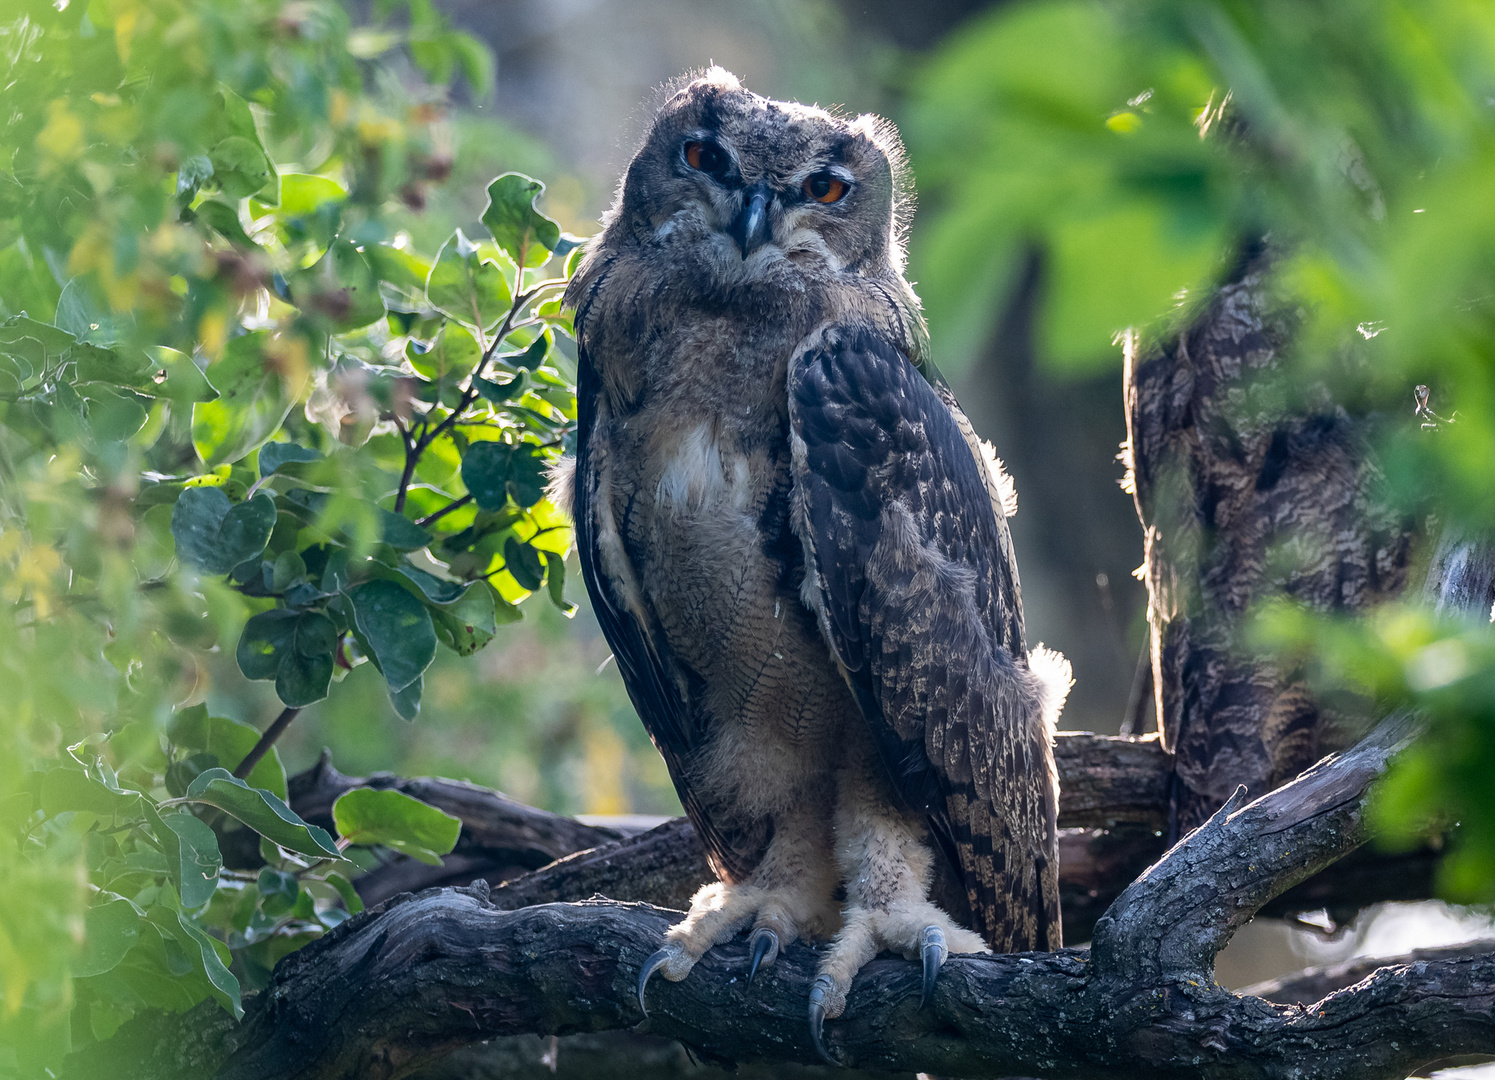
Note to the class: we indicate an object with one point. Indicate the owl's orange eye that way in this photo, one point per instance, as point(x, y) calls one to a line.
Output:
point(706, 157)
point(824, 187)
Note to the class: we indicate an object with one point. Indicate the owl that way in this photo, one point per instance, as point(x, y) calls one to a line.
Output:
point(798, 551)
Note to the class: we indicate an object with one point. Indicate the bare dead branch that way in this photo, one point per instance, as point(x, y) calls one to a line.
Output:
point(1316, 983)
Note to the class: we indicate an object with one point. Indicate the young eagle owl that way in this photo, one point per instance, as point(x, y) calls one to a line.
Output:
point(798, 551)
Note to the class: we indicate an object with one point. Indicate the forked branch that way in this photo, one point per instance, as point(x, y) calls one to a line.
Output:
point(421, 975)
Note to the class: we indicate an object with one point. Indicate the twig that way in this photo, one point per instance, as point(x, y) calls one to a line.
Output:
point(414, 450)
point(267, 740)
point(447, 509)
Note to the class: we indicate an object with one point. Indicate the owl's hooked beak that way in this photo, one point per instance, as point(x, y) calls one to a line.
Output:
point(750, 227)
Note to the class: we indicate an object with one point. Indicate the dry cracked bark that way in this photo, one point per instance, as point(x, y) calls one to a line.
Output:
point(421, 975)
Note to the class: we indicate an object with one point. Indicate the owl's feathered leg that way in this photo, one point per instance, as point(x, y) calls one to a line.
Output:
point(790, 894)
point(887, 864)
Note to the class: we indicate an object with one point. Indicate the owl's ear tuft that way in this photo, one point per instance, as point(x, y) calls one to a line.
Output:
point(715, 78)
point(719, 76)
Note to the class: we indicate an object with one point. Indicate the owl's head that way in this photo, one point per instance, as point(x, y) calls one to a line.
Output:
point(744, 189)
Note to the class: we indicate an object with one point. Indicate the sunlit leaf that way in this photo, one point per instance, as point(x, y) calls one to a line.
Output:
point(526, 234)
point(395, 820)
point(465, 286)
point(263, 812)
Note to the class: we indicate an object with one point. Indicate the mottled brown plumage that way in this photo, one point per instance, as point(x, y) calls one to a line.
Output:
point(798, 551)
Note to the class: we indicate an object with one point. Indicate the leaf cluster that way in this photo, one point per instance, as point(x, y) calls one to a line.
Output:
point(240, 411)
point(1144, 153)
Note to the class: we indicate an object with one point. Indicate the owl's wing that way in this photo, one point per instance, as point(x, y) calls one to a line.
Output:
point(664, 691)
point(917, 594)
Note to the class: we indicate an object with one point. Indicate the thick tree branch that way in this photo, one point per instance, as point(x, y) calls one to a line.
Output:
point(1113, 806)
point(421, 975)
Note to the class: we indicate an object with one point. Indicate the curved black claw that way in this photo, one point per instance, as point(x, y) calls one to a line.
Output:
point(818, 994)
point(651, 965)
point(934, 951)
point(765, 943)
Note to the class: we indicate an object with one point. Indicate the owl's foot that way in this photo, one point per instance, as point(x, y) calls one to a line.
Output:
point(915, 929)
point(719, 911)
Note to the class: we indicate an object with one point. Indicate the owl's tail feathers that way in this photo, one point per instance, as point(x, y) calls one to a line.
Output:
point(1055, 679)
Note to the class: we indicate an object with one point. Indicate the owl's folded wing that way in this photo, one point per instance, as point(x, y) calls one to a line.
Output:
point(918, 596)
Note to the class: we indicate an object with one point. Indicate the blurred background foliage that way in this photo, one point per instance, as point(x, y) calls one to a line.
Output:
point(1082, 168)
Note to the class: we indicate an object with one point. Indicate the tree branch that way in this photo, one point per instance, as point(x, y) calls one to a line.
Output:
point(418, 976)
point(1113, 806)
point(1313, 984)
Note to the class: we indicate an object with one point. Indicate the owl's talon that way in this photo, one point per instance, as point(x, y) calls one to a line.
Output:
point(819, 993)
point(934, 952)
point(765, 948)
point(651, 965)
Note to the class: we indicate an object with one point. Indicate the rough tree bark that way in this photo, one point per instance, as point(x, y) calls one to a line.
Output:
point(420, 975)
point(1248, 486)
point(1113, 810)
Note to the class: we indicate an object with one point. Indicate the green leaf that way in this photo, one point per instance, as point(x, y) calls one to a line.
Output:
point(262, 812)
point(351, 900)
point(532, 356)
point(214, 535)
point(275, 454)
point(252, 401)
point(113, 415)
point(400, 533)
point(523, 562)
point(82, 312)
point(184, 383)
point(229, 742)
point(191, 853)
point(240, 166)
point(499, 393)
point(303, 193)
point(93, 363)
point(406, 702)
point(437, 590)
point(469, 622)
point(192, 174)
point(452, 356)
point(341, 287)
point(296, 649)
point(278, 891)
point(493, 471)
point(521, 230)
point(555, 581)
point(398, 629)
point(225, 986)
point(110, 931)
point(395, 820)
point(224, 220)
point(465, 286)
point(60, 790)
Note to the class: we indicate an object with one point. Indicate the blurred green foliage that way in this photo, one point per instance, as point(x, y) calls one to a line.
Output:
point(1137, 149)
point(257, 409)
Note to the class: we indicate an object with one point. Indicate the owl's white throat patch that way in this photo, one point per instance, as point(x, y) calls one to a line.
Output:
point(695, 477)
